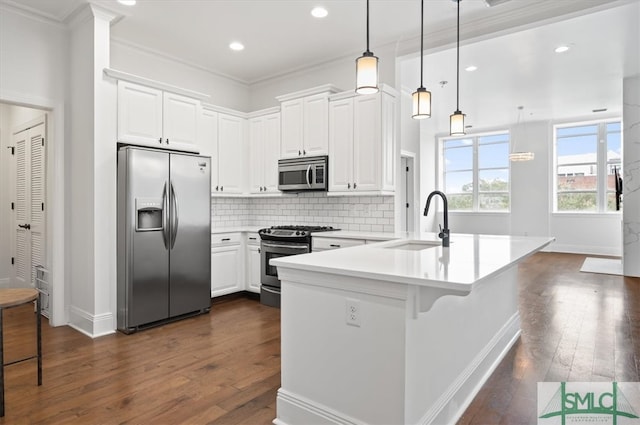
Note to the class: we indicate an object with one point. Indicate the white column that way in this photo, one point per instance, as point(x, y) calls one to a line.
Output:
point(631, 166)
point(92, 176)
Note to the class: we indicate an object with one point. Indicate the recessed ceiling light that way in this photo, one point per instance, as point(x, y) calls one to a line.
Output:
point(237, 46)
point(319, 12)
point(127, 2)
point(561, 49)
point(471, 68)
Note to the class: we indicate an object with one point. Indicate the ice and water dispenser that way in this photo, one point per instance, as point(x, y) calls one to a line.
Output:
point(148, 214)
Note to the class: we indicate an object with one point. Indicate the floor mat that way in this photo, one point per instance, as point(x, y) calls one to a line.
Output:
point(602, 265)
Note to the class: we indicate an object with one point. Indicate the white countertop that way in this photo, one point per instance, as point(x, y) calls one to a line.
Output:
point(253, 229)
point(370, 236)
point(469, 260)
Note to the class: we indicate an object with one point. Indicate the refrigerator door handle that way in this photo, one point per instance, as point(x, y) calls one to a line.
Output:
point(165, 217)
point(174, 216)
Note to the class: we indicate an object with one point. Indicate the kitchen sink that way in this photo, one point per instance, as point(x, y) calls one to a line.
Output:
point(413, 245)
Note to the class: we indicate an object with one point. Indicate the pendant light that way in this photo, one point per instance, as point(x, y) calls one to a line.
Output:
point(515, 155)
point(367, 68)
point(421, 97)
point(456, 120)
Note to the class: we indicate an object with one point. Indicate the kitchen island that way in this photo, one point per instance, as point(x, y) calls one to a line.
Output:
point(397, 332)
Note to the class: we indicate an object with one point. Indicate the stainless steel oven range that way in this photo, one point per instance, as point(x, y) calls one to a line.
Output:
point(281, 241)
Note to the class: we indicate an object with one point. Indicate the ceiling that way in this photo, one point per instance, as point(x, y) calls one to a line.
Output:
point(511, 43)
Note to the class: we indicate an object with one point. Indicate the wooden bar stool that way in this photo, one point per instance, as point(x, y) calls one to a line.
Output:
point(13, 297)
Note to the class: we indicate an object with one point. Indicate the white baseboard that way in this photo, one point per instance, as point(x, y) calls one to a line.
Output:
point(4, 282)
point(294, 409)
point(91, 325)
point(454, 401)
point(584, 249)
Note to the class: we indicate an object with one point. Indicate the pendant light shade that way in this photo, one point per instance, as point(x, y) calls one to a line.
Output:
point(456, 120)
point(367, 73)
point(367, 68)
point(421, 97)
point(421, 103)
point(456, 124)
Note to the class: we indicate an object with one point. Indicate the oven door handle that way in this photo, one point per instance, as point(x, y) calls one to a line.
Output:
point(296, 247)
point(271, 291)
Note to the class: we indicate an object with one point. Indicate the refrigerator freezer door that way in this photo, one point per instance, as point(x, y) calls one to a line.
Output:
point(190, 259)
point(143, 258)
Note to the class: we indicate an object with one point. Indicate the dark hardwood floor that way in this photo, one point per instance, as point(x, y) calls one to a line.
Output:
point(224, 367)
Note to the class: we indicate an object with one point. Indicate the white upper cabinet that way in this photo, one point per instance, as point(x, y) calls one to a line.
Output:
point(264, 151)
point(231, 154)
point(362, 142)
point(222, 137)
point(152, 117)
point(305, 122)
point(208, 141)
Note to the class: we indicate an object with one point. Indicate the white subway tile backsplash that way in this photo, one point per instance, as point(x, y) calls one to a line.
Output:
point(359, 213)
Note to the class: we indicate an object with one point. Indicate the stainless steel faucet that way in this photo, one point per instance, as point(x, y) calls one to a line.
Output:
point(444, 233)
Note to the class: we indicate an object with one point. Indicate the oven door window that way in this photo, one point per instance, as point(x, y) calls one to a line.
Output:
point(273, 270)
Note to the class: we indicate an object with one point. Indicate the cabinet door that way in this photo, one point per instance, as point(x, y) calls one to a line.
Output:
point(225, 270)
point(208, 141)
point(341, 145)
point(271, 152)
point(366, 143)
point(139, 114)
point(180, 119)
point(316, 125)
point(253, 268)
point(257, 139)
point(230, 153)
point(292, 128)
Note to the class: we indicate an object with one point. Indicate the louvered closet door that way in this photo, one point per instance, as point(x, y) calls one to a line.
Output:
point(29, 204)
point(37, 198)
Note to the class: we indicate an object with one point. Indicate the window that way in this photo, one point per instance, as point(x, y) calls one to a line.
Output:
point(587, 157)
point(476, 172)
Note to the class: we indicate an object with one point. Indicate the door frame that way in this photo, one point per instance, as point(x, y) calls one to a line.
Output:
point(55, 197)
point(408, 186)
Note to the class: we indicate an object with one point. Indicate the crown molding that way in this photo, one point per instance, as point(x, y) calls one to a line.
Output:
point(125, 76)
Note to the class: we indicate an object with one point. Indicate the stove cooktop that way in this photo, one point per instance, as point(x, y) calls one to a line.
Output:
point(292, 232)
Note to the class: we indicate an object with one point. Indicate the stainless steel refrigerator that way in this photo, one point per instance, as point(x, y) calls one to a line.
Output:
point(164, 236)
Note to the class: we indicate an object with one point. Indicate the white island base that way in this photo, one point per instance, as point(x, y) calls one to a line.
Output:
point(390, 345)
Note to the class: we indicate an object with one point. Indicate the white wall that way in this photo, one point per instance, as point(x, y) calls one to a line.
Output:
point(223, 91)
point(34, 55)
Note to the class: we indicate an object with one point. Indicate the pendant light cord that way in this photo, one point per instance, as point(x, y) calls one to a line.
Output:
point(367, 25)
point(458, 62)
point(421, 40)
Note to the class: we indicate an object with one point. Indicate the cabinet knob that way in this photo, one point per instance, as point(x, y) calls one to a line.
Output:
point(259, 251)
point(260, 188)
point(348, 185)
point(160, 140)
point(167, 141)
point(299, 153)
point(304, 152)
point(354, 185)
point(221, 188)
point(216, 188)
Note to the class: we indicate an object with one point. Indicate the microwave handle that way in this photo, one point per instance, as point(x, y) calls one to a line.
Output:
point(308, 178)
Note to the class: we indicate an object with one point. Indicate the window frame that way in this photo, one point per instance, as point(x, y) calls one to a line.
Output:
point(475, 170)
point(602, 166)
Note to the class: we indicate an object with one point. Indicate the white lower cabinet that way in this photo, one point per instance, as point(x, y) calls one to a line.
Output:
point(253, 268)
point(226, 264)
point(325, 244)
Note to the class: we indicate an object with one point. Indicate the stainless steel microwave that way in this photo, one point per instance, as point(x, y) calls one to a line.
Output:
point(300, 174)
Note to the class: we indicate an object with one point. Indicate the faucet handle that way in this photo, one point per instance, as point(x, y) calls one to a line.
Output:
point(441, 234)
